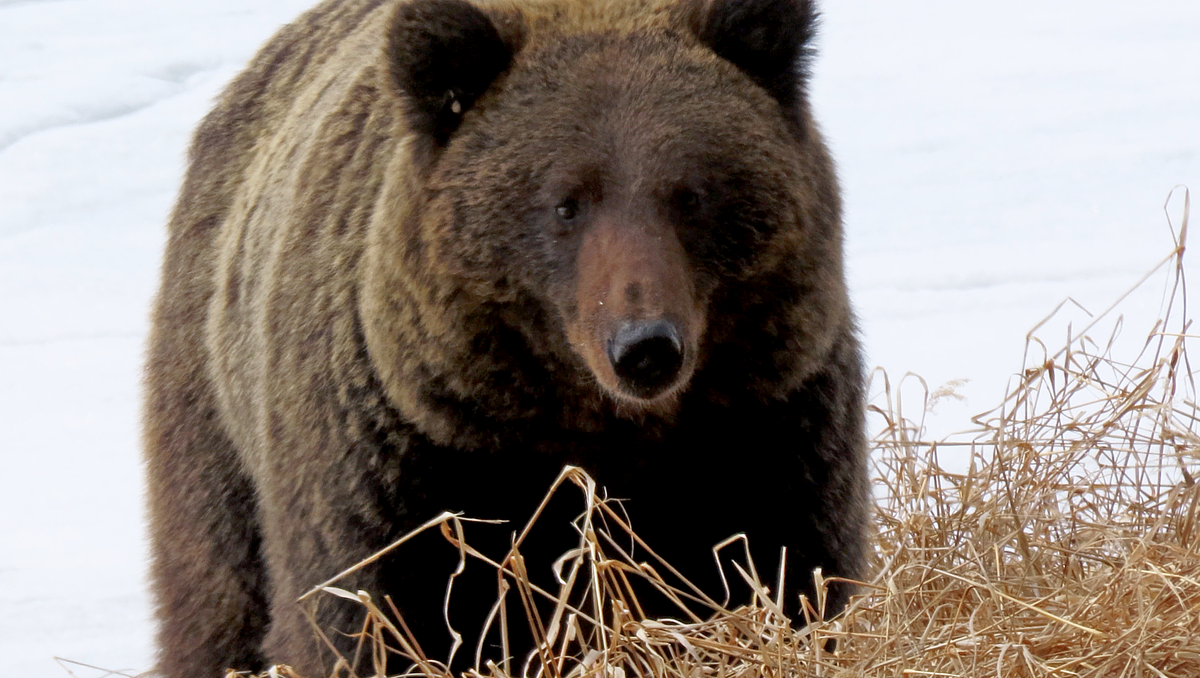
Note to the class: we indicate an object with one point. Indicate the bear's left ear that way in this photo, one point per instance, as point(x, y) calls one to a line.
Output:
point(769, 40)
point(443, 55)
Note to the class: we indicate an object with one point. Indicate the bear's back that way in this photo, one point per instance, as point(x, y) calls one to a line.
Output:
point(254, 103)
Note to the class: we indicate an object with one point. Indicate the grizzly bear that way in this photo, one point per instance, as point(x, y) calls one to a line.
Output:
point(428, 252)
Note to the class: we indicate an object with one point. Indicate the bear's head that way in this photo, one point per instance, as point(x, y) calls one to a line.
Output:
point(642, 181)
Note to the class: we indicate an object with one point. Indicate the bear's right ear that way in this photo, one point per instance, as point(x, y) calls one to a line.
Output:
point(443, 55)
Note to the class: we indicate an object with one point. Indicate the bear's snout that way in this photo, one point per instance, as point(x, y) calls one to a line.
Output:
point(646, 356)
point(639, 319)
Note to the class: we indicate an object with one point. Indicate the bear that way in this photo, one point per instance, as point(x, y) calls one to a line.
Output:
point(426, 253)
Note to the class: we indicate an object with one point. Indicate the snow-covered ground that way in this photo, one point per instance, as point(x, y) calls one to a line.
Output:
point(996, 158)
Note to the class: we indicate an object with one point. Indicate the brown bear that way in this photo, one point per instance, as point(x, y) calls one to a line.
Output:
point(427, 252)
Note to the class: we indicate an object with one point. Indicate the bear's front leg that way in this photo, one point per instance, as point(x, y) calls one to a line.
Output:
point(329, 506)
point(328, 503)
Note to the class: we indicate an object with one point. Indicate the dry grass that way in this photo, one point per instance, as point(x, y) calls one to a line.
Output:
point(1068, 547)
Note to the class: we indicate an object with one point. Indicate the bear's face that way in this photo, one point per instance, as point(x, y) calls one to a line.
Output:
point(620, 178)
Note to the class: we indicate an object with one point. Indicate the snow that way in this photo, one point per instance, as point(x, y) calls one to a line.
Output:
point(996, 158)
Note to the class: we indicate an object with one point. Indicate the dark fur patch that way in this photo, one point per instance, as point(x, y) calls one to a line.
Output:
point(443, 55)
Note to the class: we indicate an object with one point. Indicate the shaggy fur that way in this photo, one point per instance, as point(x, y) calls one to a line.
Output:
point(383, 297)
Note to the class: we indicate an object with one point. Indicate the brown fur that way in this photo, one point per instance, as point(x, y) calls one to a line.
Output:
point(359, 327)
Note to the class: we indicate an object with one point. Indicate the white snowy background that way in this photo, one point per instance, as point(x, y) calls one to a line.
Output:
point(996, 158)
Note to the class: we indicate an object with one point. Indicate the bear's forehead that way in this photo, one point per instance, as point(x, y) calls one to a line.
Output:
point(589, 79)
point(645, 104)
point(640, 91)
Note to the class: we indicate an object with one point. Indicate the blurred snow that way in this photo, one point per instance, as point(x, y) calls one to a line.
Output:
point(995, 159)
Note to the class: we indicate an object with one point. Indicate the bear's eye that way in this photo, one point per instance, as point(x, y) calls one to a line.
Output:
point(687, 201)
point(567, 210)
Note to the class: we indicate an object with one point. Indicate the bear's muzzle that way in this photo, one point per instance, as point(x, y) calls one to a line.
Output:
point(639, 319)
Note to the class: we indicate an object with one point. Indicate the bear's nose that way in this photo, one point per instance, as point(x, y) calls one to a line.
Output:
point(646, 356)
